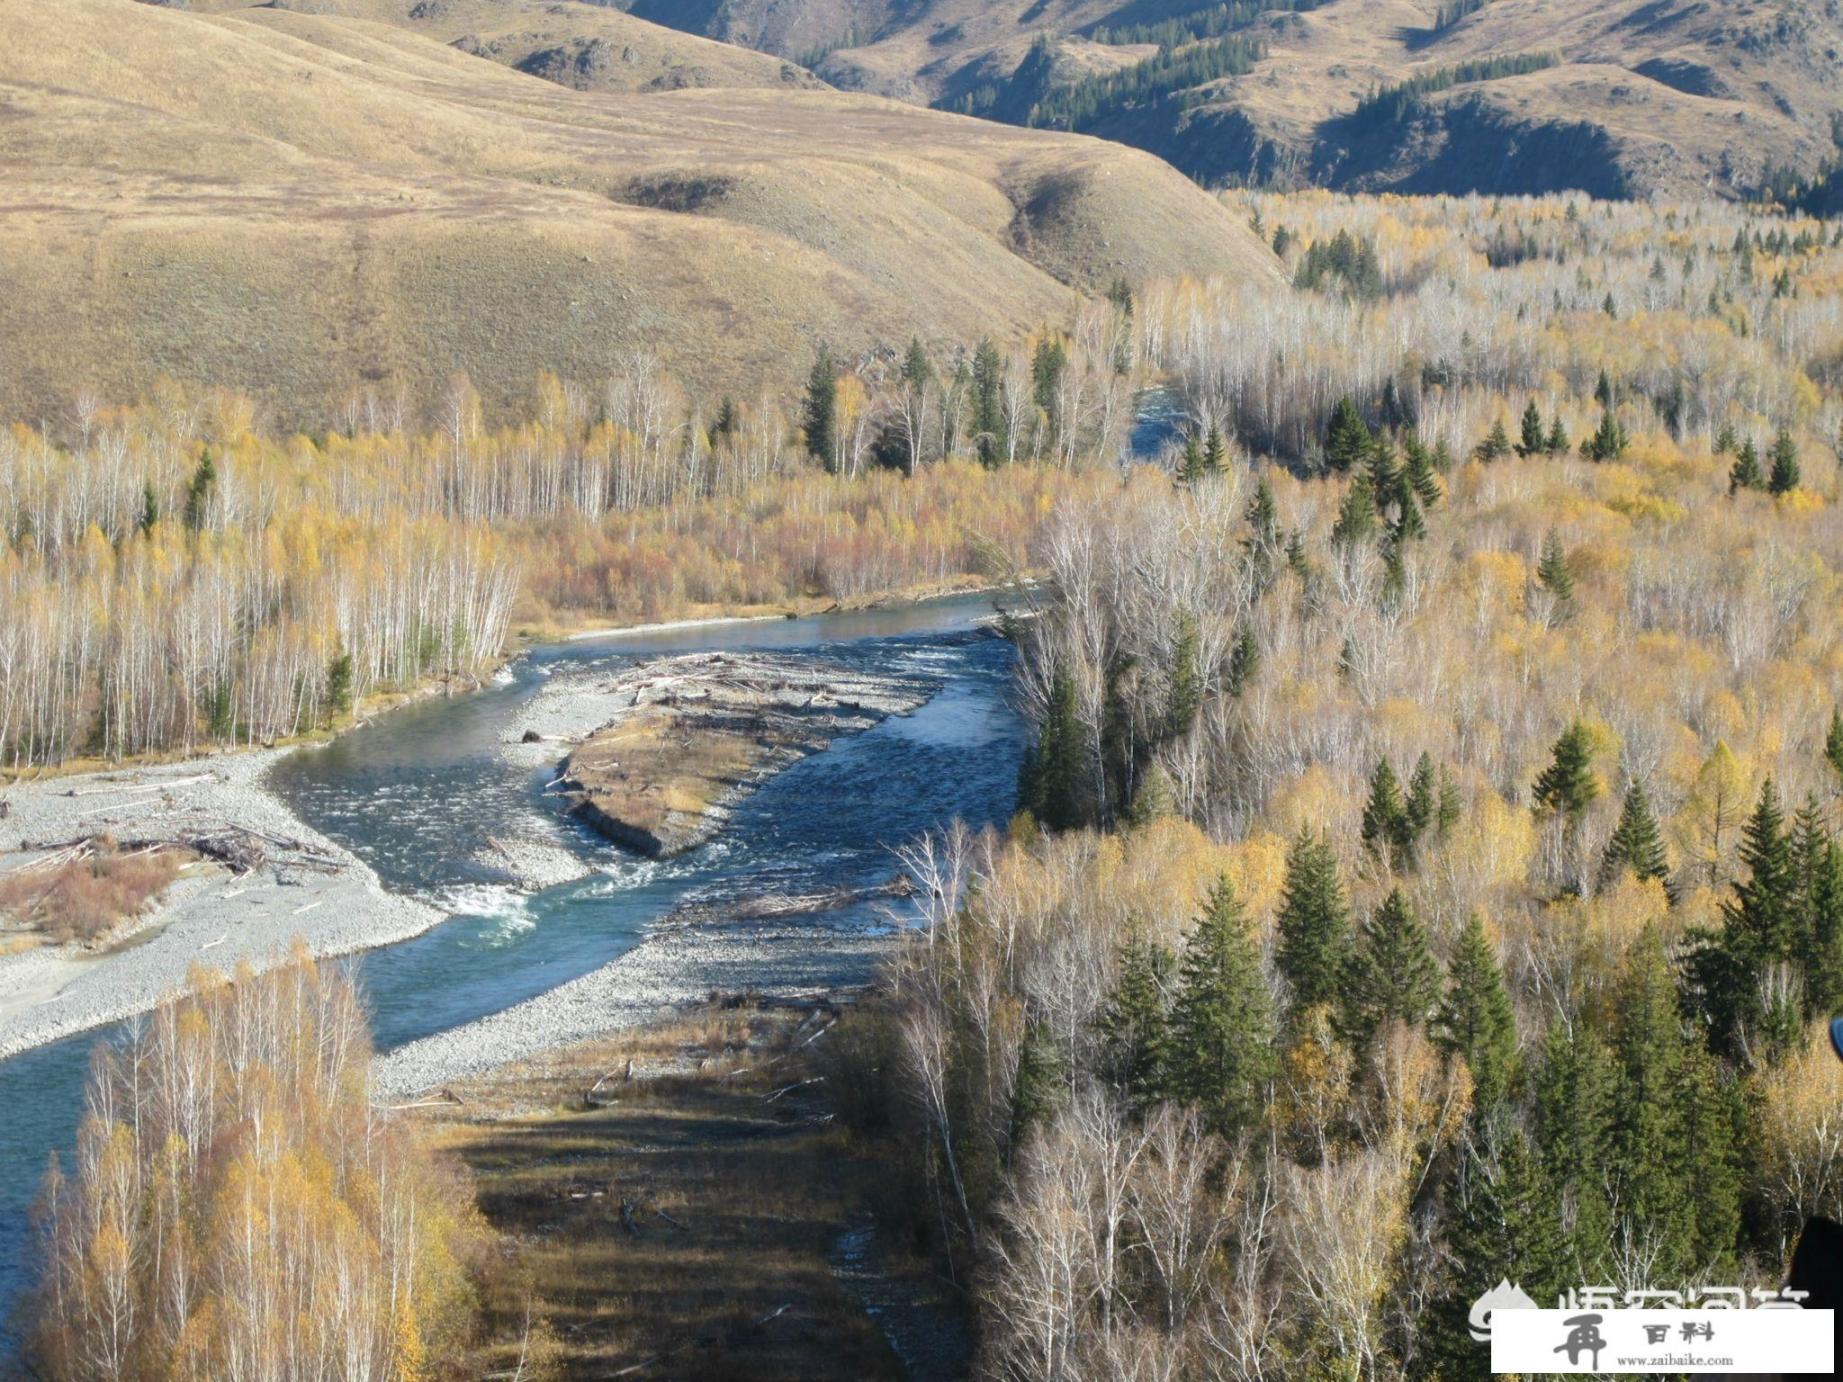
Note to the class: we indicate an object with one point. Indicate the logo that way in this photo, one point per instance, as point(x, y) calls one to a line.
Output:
point(1502, 1296)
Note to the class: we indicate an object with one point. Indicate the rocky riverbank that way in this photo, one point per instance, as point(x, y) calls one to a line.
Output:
point(282, 881)
point(687, 737)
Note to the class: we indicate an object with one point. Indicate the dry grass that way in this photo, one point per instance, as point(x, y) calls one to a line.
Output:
point(86, 899)
point(687, 1211)
point(300, 205)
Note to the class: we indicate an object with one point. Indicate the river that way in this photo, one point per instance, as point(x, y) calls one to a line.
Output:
point(417, 792)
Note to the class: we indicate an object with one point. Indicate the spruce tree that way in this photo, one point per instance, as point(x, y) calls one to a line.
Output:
point(1496, 444)
point(1422, 800)
point(1041, 1083)
point(1409, 525)
point(198, 493)
point(1567, 786)
point(1475, 1020)
point(1263, 518)
point(1608, 440)
point(1637, 846)
point(1784, 478)
point(1450, 808)
point(1575, 1091)
point(1186, 693)
point(1833, 743)
point(1244, 662)
point(1215, 454)
point(1385, 815)
point(1356, 517)
point(1725, 440)
point(150, 509)
point(1385, 476)
point(1820, 870)
point(988, 402)
point(1313, 925)
point(1745, 473)
point(1053, 782)
point(1557, 443)
point(1154, 800)
point(1222, 1026)
point(1552, 570)
point(1190, 467)
point(1420, 477)
point(1393, 975)
point(1533, 440)
point(1134, 1024)
point(1347, 442)
point(819, 417)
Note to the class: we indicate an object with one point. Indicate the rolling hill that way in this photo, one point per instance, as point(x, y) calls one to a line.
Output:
point(1641, 98)
point(299, 204)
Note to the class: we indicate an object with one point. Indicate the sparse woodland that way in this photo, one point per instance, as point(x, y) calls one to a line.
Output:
point(1427, 870)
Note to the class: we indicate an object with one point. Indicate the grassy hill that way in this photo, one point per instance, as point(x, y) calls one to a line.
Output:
point(1645, 97)
point(299, 205)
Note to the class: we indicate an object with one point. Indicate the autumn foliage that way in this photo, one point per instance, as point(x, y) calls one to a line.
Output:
point(237, 1208)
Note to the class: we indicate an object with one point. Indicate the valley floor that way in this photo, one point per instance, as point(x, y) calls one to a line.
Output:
point(700, 1162)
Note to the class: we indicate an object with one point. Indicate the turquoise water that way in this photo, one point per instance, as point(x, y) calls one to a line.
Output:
point(418, 792)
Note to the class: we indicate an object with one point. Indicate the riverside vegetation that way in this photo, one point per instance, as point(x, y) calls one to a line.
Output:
point(1425, 872)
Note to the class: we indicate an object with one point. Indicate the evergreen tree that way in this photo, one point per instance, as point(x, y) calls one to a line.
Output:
point(198, 492)
point(1475, 1020)
point(1385, 815)
point(1190, 468)
point(1409, 525)
point(1608, 440)
point(1186, 693)
point(1134, 1024)
point(1503, 1226)
point(1745, 473)
point(1052, 783)
point(1533, 440)
point(1047, 364)
point(1725, 441)
point(1784, 478)
point(1385, 476)
point(150, 509)
point(1042, 1082)
point(1313, 925)
point(1264, 518)
point(1356, 517)
point(1603, 391)
point(1450, 807)
point(988, 402)
point(1222, 1026)
point(1575, 1090)
point(1244, 662)
point(819, 417)
point(1833, 742)
point(1348, 441)
point(1215, 454)
point(1154, 800)
point(339, 683)
point(1420, 476)
point(1552, 570)
point(1567, 786)
point(1496, 444)
point(1637, 847)
point(1557, 443)
point(1393, 975)
point(1820, 879)
point(1421, 802)
point(917, 372)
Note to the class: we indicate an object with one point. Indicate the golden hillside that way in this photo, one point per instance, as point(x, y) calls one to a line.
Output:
point(295, 204)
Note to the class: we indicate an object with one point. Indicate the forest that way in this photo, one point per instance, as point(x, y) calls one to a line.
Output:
point(1427, 871)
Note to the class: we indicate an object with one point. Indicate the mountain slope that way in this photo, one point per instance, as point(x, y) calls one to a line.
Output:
point(1646, 97)
point(297, 205)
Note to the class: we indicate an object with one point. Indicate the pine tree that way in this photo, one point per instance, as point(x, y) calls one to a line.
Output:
point(1567, 786)
point(1052, 783)
point(1603, 391)
point(988, 402)
point(1636, 847)
point(1552, 570)
point(198, 492)
point(1725, 440)
point(1154, 800)
point(819, 418)
point(1134, 1024)
point(1263, 519)
point(1820, 876)
point(1244, 662)
point(1608, 440)
point(1745, 473)
point(1348, 440)
point(917, 372)
point(1047, 364)
point(1222, 1026)
point(1409, 525)
point(1190, 468)
point(1533, 440)
point(1557, 443)
point(1833, 743)
point(1761, 926)
point(150, 510)
point(339, 683)
point(1385, 815)
point(1420, 476)
point(1784, 478)
point(1393, 975)
point(1313, 925)
point(1475, 1020)
point(1356, 517)
point(1385, 476)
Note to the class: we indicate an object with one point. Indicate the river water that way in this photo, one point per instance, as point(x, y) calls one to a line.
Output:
point(417, 793)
